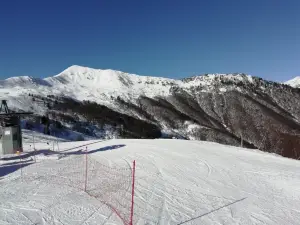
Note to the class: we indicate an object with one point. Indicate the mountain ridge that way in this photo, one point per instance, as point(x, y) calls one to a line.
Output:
point(76, 73)
point(81, 70)
point(235, 109)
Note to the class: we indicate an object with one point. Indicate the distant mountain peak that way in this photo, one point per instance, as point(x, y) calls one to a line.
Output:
point(23, 81)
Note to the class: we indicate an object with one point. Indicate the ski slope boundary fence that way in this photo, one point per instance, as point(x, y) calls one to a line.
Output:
point(111, 183)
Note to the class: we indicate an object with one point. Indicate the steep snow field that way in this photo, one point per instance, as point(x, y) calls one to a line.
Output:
point(177, 182)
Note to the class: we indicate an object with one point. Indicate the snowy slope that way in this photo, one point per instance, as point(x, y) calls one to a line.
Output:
point(295, 82)
point(195, 183)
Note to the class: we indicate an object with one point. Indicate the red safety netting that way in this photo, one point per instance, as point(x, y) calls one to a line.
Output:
point(111, 183)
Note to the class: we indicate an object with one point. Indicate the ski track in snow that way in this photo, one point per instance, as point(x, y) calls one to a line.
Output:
point(177, 182)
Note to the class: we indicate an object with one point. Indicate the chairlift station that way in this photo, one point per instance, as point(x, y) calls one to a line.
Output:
point(10, 130)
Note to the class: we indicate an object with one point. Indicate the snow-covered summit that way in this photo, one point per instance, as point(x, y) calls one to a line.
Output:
point(295, 82)
point(86, 83)
point(99, 77)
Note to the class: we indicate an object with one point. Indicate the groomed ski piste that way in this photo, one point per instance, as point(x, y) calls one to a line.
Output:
point(176, 182)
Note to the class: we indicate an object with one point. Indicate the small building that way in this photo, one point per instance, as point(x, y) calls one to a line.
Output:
point(10, 130)
point(11, 140)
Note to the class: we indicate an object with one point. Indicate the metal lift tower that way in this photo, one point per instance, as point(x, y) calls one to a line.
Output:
point(10, 130)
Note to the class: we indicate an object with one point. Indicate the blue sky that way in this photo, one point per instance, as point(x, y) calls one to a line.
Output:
point(159, 38)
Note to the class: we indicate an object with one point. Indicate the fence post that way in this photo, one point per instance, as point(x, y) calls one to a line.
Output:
point(86, 168)
point(33, 140)
point(57, 146)
point(132, 193)
point(21, 164)
point(21, 169)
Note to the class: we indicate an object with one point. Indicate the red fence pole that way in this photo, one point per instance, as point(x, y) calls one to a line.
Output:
point(86, 168)
point(132, 194)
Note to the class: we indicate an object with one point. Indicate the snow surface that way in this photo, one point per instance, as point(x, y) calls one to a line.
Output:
point(295, 82)
point(196, 183)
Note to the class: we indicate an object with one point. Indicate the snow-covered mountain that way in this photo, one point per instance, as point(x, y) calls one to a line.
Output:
point(295, 82)
point(231, 109)
point(83, 83)
point(97, 85)
point(102, 86)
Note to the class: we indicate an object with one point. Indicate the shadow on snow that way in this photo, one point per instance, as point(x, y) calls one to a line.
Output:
point(8, 168)
point(50, 152)
point(212, 211)
point(11, 167)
